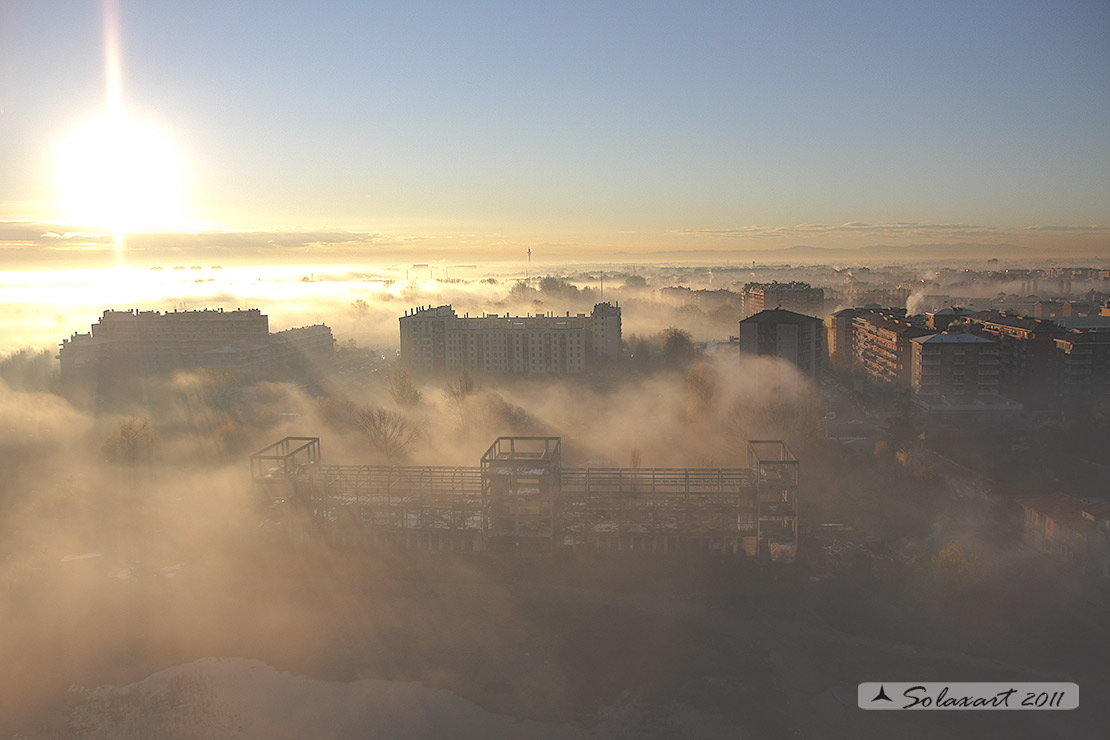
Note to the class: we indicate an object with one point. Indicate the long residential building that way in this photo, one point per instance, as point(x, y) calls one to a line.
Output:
point(882, 347)
point(126, 348)
point(436, 340)
point(1036, 361)
point(839, 334)
point(1084, 364)
point(793, 296)
point(955, 365)
point(1028, 357)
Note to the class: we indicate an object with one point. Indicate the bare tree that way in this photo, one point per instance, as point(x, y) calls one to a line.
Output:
point(28, 370)
point(337, 411)
point(387, 431)
point(131, 443)
point(459, 389)
point(360, 308)
point(701, 390)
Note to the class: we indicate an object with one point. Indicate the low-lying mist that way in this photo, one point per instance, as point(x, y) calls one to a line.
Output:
point(40, 308)
point(133, 541)
point(133, 545)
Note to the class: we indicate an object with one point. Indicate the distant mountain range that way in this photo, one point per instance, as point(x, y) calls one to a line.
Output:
point(869, 254)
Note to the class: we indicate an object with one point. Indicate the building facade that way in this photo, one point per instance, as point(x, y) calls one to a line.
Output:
point(963, 366)
point(1070, 530)
point(126, 348)
point(839, 333)
point(437, 340)
point(794, 337)
point(301, 348)
point(942, 319)
point(1028, 357)
point(1084, 364)
point(793, 296)
point(882, 346)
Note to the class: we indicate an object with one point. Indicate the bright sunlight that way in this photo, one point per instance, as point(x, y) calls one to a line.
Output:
point(118, 173)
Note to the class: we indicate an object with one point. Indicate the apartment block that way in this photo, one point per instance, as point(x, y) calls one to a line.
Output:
point(794, 337)
point(1028, 357)
point(962, 366)
point(882, 346)
point(1084, 364)
point(793, 296)
point(302, 347)
point(945, 317)
point(839, 334)
point(437, 340)
point(124, 349)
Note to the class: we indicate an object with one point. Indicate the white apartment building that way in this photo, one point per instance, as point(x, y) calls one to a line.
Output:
point(436, 339)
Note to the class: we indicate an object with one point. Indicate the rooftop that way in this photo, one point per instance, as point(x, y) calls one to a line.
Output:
point(1016, 321)
point(780, 316)
point(1068, 510)
point(946, 338)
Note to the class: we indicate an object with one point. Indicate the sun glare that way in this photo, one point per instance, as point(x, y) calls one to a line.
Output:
point(120, 174)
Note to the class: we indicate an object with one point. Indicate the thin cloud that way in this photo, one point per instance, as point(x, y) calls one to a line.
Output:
point(45, 239)
point(1094, 229)
point(85, 237)
point(896, 228)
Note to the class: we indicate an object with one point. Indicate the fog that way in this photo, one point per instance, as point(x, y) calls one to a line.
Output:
point(134, 547)
point(39, 308)
point(147, 590)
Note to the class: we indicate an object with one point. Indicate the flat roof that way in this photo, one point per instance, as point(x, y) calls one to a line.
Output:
point(946, 338)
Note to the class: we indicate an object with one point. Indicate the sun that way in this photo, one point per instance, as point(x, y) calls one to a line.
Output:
point(118, 173)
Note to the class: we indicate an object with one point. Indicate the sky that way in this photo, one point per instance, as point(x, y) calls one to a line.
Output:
point(576, 128)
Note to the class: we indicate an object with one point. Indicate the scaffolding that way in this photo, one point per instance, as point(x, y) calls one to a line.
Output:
point(521, 498)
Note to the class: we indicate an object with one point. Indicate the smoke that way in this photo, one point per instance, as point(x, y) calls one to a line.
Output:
point(916, 304)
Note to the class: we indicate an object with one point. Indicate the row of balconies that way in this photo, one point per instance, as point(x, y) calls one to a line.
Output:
point(988, 372)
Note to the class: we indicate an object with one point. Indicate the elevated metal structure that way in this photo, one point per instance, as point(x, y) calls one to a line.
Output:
point(520, 497)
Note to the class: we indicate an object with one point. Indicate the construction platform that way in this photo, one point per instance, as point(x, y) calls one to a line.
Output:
point(521, 498)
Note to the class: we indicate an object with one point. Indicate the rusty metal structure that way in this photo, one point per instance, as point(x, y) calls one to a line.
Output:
point(521, 498)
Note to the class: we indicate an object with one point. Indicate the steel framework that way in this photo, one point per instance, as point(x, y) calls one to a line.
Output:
point(520, 497)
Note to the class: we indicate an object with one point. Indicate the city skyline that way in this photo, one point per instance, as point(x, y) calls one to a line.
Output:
point(267, 132)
